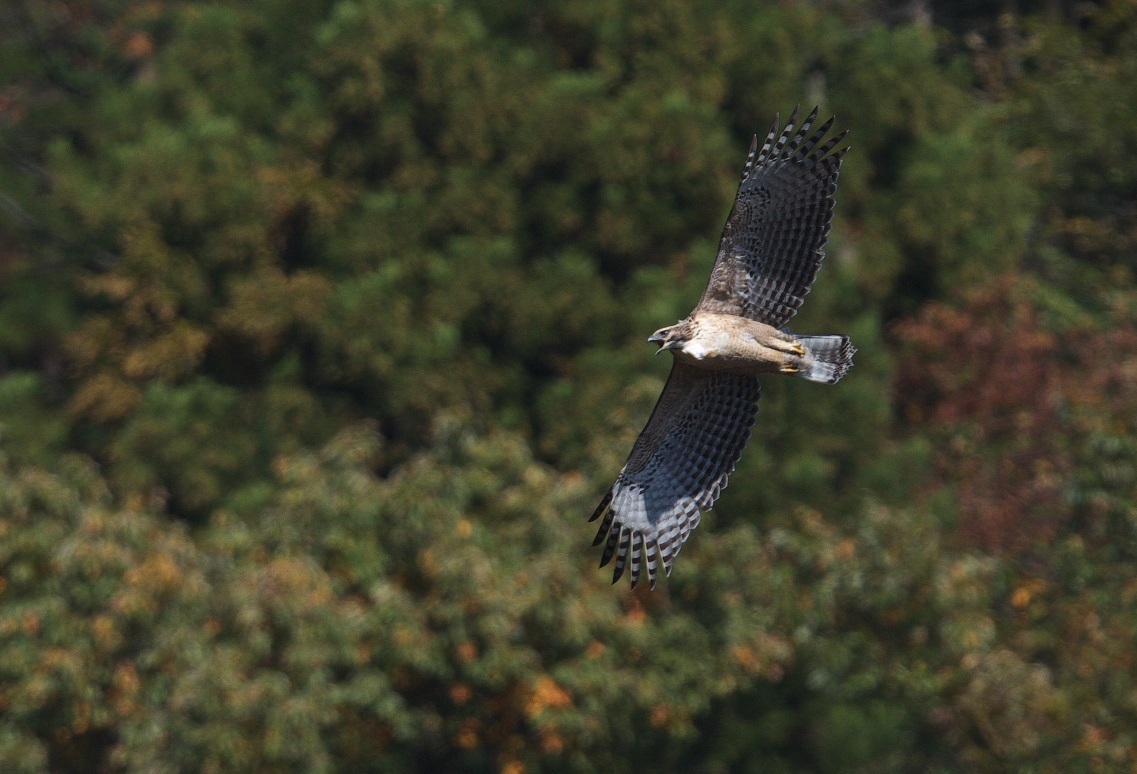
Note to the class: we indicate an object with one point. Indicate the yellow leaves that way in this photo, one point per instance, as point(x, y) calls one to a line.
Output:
point(302, 184)
point(966, 580)
point(144, 335)
point(125, 689)
point(81, 717)
point(745, 658)
point(114, 286)
point(467, 736)
point(158, 577)
point(106, 635)
point(551, 741)
point(845, 550)
point(670, 717)
point(1010, 703)
point(1128, 593)
point(1022, 596)
point(104, 397)
point(264, 305)
point(635, 614)
point(297, 580)
point(1108, 748)
point(766, 655)
point(428, 562)
point(89, 344)
point(546, 694)
point(158, 572)
point(1090, 235)
point(1031, 159)
point(57, 659)
point(169, 355)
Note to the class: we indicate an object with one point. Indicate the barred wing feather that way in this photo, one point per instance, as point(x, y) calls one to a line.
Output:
point(677, 468)
point(773, 241)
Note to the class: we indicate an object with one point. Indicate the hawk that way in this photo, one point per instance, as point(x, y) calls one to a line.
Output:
point(769, 254)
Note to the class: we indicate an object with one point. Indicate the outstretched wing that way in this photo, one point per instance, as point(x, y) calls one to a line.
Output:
point(678, 467)
point(773, 242)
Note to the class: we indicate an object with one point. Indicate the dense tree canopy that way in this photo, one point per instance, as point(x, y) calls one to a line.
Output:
point(322, 328)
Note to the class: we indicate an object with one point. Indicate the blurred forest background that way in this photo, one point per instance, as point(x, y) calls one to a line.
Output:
point(322, 329)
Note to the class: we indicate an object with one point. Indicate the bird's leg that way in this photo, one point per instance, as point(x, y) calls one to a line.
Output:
point(791, 365)
point(785, 342)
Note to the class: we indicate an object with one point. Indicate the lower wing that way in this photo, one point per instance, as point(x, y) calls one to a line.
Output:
point(677, 469)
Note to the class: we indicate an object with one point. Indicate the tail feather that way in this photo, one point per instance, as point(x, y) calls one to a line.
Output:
point(827, 358)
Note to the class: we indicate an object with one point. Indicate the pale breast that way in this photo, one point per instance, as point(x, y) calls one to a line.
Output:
point(731, 343)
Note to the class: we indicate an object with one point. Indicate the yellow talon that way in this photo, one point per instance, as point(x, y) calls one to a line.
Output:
point(798, 348)
point(789, 370)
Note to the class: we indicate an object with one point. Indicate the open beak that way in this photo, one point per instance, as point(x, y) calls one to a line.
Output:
point(656, 338)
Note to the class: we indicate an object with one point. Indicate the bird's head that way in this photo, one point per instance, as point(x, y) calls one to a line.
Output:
point(672, 337)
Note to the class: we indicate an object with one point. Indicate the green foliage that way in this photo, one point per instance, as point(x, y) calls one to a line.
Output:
point(321, 328)
point(440, 619)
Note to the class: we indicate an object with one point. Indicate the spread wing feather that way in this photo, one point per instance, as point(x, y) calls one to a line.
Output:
point(677, 468)
point(774, 239)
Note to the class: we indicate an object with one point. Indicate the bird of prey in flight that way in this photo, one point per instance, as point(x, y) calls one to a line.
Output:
point(769, 254)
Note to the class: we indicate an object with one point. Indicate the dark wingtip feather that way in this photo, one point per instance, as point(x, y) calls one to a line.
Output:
point(785, 136)
point(750, 157)
point(651, 556)
point(610, 548)
point(771, 136)
point(809, 144)
point(793, 145)
point(602, 507)
point(604, 527)
point(666, 553)
point(622, 554)
point(637, 555)
point(819, 154)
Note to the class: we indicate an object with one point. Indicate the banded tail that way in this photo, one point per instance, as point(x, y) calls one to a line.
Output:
point(827, 358)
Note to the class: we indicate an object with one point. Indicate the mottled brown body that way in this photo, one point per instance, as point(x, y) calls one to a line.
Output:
point(727, 342)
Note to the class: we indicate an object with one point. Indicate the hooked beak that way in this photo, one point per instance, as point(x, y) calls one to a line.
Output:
point(660, 338)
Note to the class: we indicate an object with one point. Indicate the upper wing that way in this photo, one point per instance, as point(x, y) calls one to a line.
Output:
point(678, 467)
point(773, 242)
